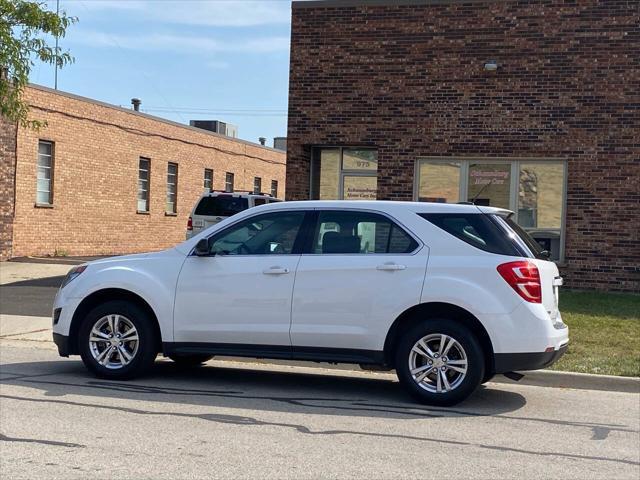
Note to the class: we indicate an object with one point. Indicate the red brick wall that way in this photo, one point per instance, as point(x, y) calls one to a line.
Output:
point(97, 148)
point(409, 80)
point(7, 190)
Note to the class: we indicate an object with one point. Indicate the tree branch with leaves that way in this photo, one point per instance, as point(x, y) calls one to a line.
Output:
point(26, 31)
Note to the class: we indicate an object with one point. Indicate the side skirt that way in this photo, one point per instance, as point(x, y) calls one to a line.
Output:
point(280, 352)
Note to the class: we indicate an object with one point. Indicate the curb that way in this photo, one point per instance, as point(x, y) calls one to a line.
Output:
point(580, 381)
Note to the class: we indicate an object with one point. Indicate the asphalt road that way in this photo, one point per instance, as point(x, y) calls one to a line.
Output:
point(29, 297)
point(233, 420)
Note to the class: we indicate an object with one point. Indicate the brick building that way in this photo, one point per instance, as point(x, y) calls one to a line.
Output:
point(533, 106)
point(100, 179)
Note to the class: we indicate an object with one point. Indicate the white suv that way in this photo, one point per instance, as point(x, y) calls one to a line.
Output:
point(214, 206)
point(448, 295)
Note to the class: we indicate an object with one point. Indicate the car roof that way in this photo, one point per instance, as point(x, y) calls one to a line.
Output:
point(387, 206)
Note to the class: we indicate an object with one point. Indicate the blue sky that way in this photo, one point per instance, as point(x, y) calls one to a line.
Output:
point(203, 59)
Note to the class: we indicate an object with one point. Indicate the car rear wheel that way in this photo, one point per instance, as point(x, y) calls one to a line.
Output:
point(190, 360)
point(117, 340)
point(439, 362)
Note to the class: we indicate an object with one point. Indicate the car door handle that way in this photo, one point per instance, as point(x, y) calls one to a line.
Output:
point(391, 267)
point(275, 271)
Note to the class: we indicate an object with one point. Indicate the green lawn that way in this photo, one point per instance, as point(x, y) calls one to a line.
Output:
point(604, 333)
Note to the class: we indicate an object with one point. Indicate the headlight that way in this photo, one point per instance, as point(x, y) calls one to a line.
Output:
point(73, 273)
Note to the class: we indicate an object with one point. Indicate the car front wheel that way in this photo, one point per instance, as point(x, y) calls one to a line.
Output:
point(117, 340)
point(439, 362)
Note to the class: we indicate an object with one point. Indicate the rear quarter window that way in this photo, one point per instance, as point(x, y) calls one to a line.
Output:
point(481, 231)
point(221, 206)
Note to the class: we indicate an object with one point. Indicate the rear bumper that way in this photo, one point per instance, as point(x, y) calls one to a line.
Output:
point(62, 342)
point(511, 362)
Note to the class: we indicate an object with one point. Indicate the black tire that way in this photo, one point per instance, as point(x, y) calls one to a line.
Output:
point(487, 378)
point(146, 351)
point(190, 360)
point(474, 357)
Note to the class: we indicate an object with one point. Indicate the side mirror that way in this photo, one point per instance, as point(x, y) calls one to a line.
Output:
point(202, 248)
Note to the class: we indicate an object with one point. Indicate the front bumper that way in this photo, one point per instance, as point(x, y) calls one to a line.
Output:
point(62, 342)
point(512, 362)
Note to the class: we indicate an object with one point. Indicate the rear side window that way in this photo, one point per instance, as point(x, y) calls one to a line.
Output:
point(490, 233)
point(221, 206)
point(353, 232)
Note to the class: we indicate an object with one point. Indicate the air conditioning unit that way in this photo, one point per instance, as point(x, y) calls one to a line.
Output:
point(216, 126)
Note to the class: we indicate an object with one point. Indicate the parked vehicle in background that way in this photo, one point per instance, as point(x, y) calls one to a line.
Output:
point(448, 295)
point(214, 206)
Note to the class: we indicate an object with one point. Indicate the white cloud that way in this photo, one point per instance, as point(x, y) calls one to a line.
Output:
point(178, 43)
point(219, 13)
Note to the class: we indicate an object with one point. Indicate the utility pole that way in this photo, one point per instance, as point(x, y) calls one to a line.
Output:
point(55, 81)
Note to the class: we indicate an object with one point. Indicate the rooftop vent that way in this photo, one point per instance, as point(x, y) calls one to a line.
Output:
point(136, 104)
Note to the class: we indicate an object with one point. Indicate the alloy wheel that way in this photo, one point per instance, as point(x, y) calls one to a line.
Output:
point(438, 363)
point(113, 341)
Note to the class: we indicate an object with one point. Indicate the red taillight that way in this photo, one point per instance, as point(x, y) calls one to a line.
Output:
point(190, 224)
point(524, 278)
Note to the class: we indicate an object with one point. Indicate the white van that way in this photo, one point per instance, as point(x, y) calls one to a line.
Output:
point(215, 206)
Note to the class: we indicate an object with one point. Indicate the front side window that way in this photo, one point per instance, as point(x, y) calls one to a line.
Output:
point(172, 187)
point(257, 185)
point(208, 178)
point(44, 187)
point(348, 232)
point(228, 182)
point(269, 234)
point(144, 167)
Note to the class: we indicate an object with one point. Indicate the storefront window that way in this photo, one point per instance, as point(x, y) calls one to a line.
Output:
point(439, 182)
point(344, 174)
point(533, 190)
point(359, 187)
point(540, 201)
point(357, 159)
point(489, 184)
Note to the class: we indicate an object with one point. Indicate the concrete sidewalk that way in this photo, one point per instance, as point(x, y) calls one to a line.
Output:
point(11, 272)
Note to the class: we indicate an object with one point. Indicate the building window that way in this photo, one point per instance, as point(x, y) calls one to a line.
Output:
point(172, 188)
point(344, 173)
point(208, 178)
point(228, 182)
point(44, 186)
point(144, 168)
point(533, 189)
point(274, 188)
point(257, 185)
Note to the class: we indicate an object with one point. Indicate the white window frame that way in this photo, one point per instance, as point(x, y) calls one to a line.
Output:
point(172, 189)
point(49, 167)
point(514, 180)
point(229, 175)
point(148, 182)
point(210, 180)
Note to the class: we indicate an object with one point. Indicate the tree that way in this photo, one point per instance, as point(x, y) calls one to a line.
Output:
point(26, 29)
